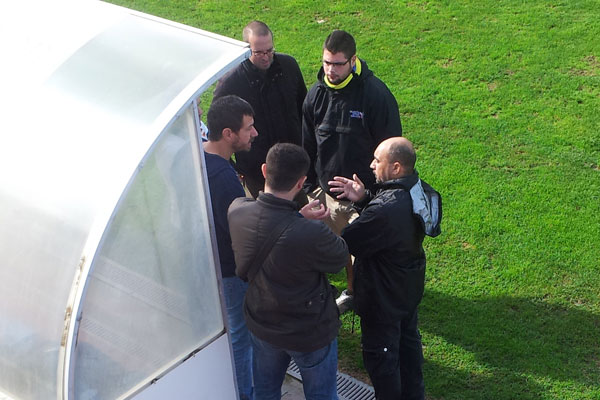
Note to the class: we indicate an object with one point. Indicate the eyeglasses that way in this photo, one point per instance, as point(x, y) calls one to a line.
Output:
point(263, 53)
point(335, 64)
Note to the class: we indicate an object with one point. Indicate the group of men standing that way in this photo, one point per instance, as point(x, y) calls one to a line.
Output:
point(340, 144)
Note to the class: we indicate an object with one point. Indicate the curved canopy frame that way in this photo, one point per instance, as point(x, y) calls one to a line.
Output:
point(98, 101)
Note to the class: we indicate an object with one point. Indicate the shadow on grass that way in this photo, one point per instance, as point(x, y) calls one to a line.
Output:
point(518, 342)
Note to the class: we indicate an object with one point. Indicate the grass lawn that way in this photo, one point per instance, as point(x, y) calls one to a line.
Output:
point(502, 100)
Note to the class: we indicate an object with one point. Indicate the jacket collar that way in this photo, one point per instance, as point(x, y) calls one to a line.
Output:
point(405, 182)
point(271, 201)
point(256, 76)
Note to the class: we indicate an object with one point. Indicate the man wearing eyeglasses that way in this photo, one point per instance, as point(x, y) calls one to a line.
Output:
point(345, 115)
point(273, 84)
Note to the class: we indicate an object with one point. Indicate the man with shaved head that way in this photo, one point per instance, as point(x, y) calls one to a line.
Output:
point(389, 269)
point(273, 85)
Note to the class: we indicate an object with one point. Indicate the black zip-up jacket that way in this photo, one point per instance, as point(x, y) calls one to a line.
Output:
point(276, 96)
point(342, 127)
point(387, 241)
point(289, 302)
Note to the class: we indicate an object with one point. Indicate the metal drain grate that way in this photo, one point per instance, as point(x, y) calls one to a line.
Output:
point(348, 388)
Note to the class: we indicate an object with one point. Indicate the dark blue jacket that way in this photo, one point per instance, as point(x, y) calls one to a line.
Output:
point(342, 127)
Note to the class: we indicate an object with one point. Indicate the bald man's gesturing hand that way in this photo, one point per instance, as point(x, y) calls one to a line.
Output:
point(351, 189)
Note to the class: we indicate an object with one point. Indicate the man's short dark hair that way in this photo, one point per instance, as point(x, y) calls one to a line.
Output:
point(226, 112)
point(257, 28)
point(286, 164)
point(340, 41)
point(404, 153)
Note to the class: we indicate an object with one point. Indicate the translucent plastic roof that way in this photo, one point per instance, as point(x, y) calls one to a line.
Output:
point(91, 94)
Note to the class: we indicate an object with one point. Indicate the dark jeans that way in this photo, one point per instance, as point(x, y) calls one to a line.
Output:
point(393, 357)
point(235, 290)
point(318, 369)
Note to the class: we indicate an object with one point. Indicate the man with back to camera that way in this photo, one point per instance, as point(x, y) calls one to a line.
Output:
point(386, 240)
point(290, 306)
point(273, 85)
point(345, 115)
point(231, 129)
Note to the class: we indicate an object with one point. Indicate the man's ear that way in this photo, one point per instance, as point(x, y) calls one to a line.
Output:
point(227, 134)
point(300, 182)
point(398, 169)
point(263, 168)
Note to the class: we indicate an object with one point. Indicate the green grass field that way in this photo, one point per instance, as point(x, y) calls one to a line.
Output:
point(502, 100)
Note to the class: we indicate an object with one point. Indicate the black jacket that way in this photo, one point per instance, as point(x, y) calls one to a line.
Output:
point(342, 127)
point(386, 239)
point(289, 302)
point(276, 97)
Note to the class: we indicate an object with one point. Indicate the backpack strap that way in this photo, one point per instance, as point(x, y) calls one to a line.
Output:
point(268, 244)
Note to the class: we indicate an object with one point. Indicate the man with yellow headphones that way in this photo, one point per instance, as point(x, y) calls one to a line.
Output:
point(345, 115)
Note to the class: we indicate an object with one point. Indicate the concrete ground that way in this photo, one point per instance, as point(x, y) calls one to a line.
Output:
point(292, 389)
point(348, 388)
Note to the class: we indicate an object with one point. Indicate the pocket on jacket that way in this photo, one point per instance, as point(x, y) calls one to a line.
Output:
point(319, 300)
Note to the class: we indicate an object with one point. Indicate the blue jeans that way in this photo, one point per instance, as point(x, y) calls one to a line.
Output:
point(318, 369)
point(235, 290)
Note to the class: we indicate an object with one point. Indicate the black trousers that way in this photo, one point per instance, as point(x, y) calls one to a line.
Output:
point(393, 357)
point(254, 184)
